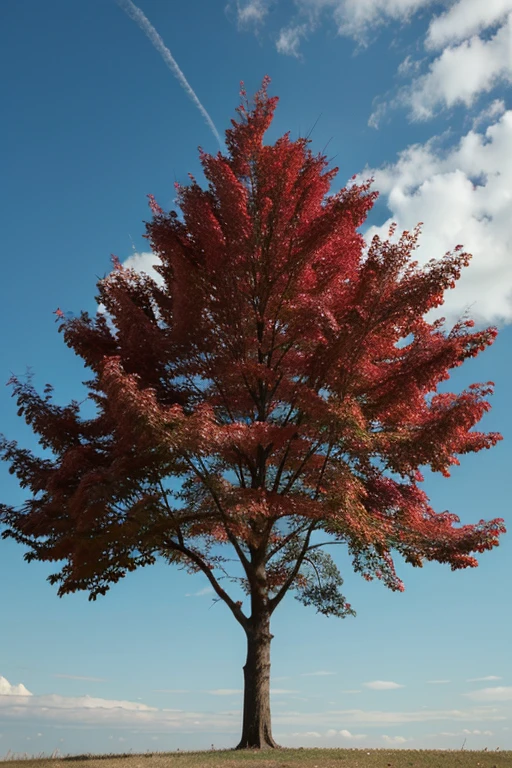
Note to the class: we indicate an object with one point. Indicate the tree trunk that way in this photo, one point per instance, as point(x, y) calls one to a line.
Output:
point(256, 724)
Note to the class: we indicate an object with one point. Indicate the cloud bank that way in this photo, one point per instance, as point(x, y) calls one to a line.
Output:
point(463, 195)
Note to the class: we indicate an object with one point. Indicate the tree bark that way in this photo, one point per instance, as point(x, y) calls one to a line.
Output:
point(256, 723)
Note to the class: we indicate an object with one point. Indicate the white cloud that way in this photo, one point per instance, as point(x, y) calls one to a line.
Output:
point(139, 262)
point(144, 262)
point(437, 187)
point(86, 711)
point(204, 591)
point(252, 12)
point(500, 693)
point(280, 691)
point(465, 18)
point(494, 110)
point(330, 733)
point(231, 691)
point(461, 73)
point(382, 685)
point(352, 736)
point(482, 679)
point(365, 717)
point(408, 66)
point(356, 17)
point(289, 39)
point(394, 739)
point(224, 691)
point(321, 673)
point(6, 689)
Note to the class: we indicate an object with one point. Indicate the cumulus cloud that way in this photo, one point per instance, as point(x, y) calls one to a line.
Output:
point(394, 739)
point(356, 18)
point(500, 693)
point(382, 685)
point(463, 195)
point(477, 732)
point(6, 689)
point(464, 19)
point(330, 733)
point(140, 262)
point(482, 679)
point(462, 73)
point(351, 736)
point(352, 18)
point(468, 45)
point(145, 262)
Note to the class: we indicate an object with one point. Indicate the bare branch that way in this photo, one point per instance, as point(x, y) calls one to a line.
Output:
point(166, 502)
point(197, 559)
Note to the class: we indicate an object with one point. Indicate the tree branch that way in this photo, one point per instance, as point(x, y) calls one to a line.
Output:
point(243, 559)
point(178, 529)
point(298, 472)
point(285, 541)
point(232, 605)
point(274, 602)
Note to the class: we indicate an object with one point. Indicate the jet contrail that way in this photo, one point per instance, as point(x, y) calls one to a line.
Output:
point(136, 14)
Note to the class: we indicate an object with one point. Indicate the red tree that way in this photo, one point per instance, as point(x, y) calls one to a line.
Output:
point(267, 355)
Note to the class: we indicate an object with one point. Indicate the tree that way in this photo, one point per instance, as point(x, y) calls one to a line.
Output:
point(264, 375)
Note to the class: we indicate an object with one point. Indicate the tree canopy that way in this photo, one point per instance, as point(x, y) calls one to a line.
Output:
point(263, 373)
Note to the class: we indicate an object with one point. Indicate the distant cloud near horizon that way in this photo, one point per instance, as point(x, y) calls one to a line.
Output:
point(499, 693)
point(382, 685)
point(395, 739)
point(483, 679)
point(317, 674)
point(6, 689)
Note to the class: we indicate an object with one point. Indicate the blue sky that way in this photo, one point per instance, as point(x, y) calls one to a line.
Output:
point(416, 93)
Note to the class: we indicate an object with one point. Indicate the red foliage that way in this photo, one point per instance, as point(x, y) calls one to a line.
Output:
point(269, 353)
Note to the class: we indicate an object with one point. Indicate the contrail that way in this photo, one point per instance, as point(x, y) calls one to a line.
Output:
point(136, 14)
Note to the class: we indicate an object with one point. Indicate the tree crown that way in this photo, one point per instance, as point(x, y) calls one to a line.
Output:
point(263, 372)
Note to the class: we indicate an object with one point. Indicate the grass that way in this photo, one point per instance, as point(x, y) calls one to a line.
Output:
point(282, 758)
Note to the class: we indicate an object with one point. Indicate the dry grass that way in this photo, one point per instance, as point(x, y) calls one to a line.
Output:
point(282, 758)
